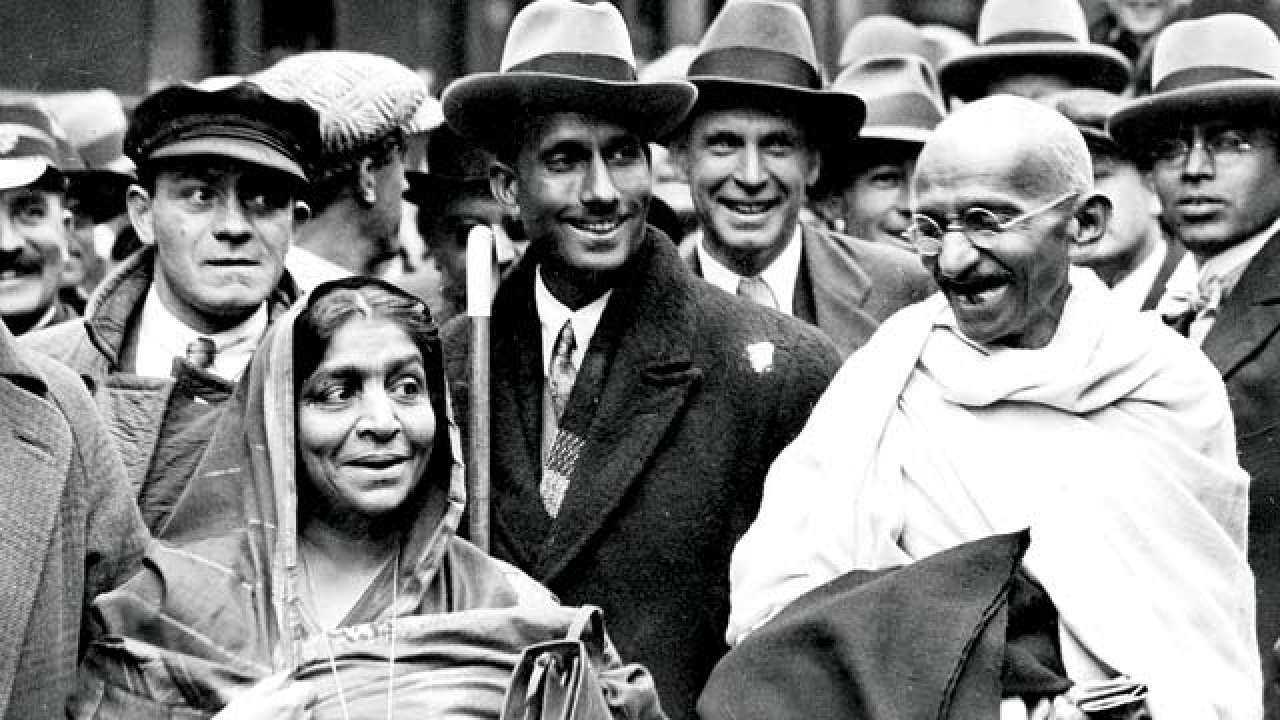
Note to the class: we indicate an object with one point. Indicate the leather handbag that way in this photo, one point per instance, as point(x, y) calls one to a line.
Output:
point(558, 680)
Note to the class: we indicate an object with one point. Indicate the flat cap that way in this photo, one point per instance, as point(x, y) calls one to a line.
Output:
point(361, 98)
point(232, 118)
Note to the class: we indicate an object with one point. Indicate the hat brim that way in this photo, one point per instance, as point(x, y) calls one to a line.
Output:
point(236, 148)
point(840, 170)
point(20, 171)
point(425, 188)
point(832, 118)
point(101, 193)
point(1135, 124)
point(969, 75)
point(488, 108)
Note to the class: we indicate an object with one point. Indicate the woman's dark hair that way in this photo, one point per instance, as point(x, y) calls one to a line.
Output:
point(333, 304)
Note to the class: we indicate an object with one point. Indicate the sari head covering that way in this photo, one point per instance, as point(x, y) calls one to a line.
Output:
point(219, 606)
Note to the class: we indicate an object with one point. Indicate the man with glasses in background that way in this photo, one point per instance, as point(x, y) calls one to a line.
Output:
point(1209, 131)
point(1018, 397)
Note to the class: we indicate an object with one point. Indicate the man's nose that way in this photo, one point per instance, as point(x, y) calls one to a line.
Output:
point(11, 241)
point(751, 167)
point(1199, 162)
point(232, 221)
point(597, 186)
point(958, 255)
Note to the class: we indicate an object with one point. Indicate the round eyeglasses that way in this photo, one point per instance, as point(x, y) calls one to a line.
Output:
point(980, 225)
point(1225, 145)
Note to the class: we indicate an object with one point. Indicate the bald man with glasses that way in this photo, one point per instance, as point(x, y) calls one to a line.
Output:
point(1018, 397)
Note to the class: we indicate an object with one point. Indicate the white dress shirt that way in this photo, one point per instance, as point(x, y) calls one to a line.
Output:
point(163, 337)
point(552, 315)
point(780, 276)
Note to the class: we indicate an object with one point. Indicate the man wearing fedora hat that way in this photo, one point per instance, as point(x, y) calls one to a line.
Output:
point(1018, 397)
point(365, 103)
point(866, 193)
point(752, 146)
point(221, 166)
point(1134, 257)
point(1209, 129)
point(635, 408)
point(1032, 48)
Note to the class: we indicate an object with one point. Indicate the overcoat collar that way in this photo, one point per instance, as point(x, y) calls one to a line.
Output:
point(35, 454)
point(644, 340)
point(1250, 315)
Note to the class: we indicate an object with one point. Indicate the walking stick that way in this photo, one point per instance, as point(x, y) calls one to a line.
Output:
point(480, 281)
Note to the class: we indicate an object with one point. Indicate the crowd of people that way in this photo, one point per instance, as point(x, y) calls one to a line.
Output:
point(941, 383)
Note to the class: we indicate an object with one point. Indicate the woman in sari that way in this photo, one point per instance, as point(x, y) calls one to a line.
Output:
point(312, 565)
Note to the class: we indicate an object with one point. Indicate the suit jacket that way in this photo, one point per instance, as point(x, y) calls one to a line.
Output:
point(847, 286)
point(68, 528)
point(1245, 347)
point(700, 391)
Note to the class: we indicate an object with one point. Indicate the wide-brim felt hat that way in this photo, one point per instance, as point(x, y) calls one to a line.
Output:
point(1221, 66)
point(563, 56)
point(760, 53)
point(1033, 36)
point(876, 35)
point(453, 162)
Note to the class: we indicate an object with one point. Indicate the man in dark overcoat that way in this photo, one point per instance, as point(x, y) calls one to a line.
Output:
point(1210, 131)
point(635, 408)
point(751, 148)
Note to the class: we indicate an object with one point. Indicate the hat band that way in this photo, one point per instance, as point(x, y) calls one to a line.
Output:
point(909, 109)
point(585, 65)
point(1206, 74)
point(756, 65)
point(1030, 36)
point(222, 125)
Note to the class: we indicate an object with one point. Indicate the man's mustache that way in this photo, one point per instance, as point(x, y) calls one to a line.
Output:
point(23, 260)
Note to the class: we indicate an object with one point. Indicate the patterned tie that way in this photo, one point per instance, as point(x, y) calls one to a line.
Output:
point(561, 455)
point(200, 352)
point(757, 290)
point(1192, 311)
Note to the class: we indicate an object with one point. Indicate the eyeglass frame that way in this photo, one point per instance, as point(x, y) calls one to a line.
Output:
point(1248, 142)
point(977, 238)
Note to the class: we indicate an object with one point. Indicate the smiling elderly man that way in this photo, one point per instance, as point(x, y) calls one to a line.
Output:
point(1018, 397)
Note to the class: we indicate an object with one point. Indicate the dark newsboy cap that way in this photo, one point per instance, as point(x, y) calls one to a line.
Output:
point(236, 120)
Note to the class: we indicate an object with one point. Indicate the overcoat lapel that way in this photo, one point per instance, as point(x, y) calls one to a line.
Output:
point(839, 290)
point(648, 378)
point(36, 455)
point(1251, 315)
point(516, 363)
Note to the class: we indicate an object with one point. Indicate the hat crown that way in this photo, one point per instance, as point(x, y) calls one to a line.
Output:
point(559, 27)
point(27, 130)
point(1218, 47)
point(899, 91)
point(877, 35)
point(1032, 21)
point(765, 41)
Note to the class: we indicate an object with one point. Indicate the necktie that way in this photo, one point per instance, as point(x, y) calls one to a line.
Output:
point(200, 352)
point(757, 290)
point(560, 379)
point(1192, 311)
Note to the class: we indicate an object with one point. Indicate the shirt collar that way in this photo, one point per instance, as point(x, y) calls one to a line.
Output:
point(780, 275)
point(163, 337)
point(1229, 264)
point(552, 315)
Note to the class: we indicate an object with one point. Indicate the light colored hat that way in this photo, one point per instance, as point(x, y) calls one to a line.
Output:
point(361, 98)
point(1033, 36)
point(904, 105)
point(761, 53)
point(28, 144)
point(876, 35)
point(1224, 65)
point(95, 123)
point(563, 56)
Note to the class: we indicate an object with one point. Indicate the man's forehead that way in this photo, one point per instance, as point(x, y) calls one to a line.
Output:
point(1209, 125)
point(561, 127)
point(741, 117)
point(213, 167)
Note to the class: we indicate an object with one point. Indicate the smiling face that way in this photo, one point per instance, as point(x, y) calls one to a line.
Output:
point(748, 172)
point(1214, 203)
point(581, 186)
point(33, 239)
point(1013, 293)
point(365, 421)
point(878, 202)
point(221, 230)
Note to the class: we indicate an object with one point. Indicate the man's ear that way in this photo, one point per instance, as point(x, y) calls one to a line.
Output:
point(815, 169)
point(505, 186)
point(301, 212)
point(366, 184)
point(138, 201)
point(1092, 216)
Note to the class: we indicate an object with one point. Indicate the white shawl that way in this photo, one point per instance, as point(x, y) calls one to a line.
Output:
point(1114, 443)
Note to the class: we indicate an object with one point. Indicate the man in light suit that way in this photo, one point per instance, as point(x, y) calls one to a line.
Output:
point(751, 148)
point(635, 408)
point(1209, 129)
